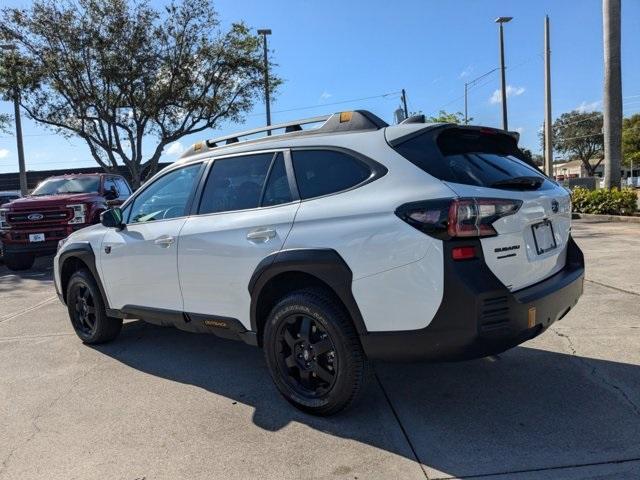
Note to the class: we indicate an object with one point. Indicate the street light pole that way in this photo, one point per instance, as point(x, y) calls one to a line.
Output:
point(16, 111)
point(264, 32)
point(501, 21)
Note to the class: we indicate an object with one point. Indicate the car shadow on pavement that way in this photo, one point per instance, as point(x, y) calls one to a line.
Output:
point(42, 270)
point(527, 409)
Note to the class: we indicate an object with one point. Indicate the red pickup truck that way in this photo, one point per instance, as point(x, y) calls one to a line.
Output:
point(33, 225)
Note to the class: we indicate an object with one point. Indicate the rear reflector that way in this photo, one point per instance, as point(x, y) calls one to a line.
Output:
point(463, 253)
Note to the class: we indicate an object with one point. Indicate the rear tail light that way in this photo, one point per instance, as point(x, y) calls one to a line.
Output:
point(79, 213)
point(462, 217)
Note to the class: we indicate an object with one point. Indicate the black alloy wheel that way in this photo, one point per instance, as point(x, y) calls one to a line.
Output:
point(307, 356)
point(314, 353)
point(84, 307)
point(87, 310)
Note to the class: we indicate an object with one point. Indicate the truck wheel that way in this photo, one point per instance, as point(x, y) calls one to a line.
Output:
point(18, 261)
point(313, 353)
point(87, 312)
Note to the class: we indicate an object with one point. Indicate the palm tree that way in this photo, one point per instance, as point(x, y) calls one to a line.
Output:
point(612, 99)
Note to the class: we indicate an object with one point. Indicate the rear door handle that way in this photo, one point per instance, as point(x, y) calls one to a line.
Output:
point(164, 241)
point(261, 235)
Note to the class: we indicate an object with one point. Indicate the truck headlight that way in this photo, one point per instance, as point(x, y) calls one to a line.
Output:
point(4, 225)
point(79, 213)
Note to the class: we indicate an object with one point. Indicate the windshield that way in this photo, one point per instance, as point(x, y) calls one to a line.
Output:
point(55, 186)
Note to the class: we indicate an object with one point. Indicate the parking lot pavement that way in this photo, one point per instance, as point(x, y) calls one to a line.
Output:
point(159, 403)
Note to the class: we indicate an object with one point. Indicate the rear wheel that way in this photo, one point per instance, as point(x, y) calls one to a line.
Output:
point(87, 311)
point(18, 261)
point(314, 354)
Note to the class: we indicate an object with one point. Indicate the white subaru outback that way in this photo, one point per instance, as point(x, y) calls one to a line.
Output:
point(332, 246)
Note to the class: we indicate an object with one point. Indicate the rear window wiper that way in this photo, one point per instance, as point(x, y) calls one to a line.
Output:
point(520, 183)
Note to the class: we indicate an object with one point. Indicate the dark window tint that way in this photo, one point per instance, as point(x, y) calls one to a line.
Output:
point(468, 157)
point(110, 184)
point(277, 189)
point(123, 187)
point(320, 172)
point(235, 183)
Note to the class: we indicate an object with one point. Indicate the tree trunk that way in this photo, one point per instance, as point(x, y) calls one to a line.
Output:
point(612, 98)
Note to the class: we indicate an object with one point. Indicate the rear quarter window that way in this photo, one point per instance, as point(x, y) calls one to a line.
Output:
point(322, 172)
point(470, 157)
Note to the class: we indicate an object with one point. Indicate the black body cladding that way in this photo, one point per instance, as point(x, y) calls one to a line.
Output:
point(478, 315)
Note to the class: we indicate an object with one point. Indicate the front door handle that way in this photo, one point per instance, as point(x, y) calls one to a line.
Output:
point(261, 235)
point(164, 241)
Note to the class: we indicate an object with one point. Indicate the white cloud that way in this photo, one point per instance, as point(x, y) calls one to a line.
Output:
point(520, 130)
point(511, 92)
point(325, 96)
point(4, 153)
point(585, 107)
point(176, 148)
point(466, 72)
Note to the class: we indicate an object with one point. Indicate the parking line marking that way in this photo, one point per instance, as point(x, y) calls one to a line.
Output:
point(30, 309)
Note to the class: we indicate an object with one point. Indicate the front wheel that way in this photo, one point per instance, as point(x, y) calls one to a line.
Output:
point(87, 311)
point(314, 354)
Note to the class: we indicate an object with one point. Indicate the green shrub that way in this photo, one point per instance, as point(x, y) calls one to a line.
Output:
point(603, 201)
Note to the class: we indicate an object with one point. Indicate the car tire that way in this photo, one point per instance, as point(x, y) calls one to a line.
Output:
point(18, 261)
point(314, 354)
point(87, 311)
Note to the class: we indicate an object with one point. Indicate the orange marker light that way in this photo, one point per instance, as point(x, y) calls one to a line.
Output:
point(345, 116)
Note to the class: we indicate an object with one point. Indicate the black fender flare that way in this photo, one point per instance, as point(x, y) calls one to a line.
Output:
point(323, 263)
point(83, 252)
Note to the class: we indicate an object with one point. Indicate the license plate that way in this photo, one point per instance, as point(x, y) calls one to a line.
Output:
point(36, 237)
point(543, 237)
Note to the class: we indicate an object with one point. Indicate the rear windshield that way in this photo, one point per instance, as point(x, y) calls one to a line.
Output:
point(55, 186)
point(470, 157)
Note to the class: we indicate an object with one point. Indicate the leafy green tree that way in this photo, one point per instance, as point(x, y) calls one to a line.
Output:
point(447, 117)
point(579, 134)
point(5, 123)
point(631, 140)
point(119, 72)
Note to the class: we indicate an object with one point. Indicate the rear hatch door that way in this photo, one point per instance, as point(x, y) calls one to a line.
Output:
point(475, 162)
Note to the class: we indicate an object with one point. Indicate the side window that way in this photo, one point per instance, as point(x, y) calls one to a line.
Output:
point(321, 172)
point(235, 183)
point(123, 188)
point(109, 184)
point(277, 189)
point(165, 198)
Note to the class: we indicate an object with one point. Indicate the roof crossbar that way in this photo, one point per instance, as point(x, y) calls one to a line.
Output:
point(294, 126)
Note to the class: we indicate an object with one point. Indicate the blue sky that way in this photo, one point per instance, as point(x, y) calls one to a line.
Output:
point(334, 51)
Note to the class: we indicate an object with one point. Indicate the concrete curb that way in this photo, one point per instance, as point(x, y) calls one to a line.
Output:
point(590, 217)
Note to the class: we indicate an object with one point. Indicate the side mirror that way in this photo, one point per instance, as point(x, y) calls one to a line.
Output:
point(112, 218)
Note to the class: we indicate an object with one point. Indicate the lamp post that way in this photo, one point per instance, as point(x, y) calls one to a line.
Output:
point(501, 21)
point(16, 112)
point(264, 32)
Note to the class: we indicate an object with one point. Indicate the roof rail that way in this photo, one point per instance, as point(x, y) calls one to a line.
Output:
point(352, 121)
point(288, 127)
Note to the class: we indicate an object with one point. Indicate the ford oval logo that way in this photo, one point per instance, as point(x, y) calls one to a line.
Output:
point(554, 206)
point(34, 217)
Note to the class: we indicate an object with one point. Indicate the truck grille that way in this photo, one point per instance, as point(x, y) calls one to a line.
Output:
point(39, 217)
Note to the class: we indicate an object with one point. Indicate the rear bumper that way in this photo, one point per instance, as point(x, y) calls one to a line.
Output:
point(479, 316)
